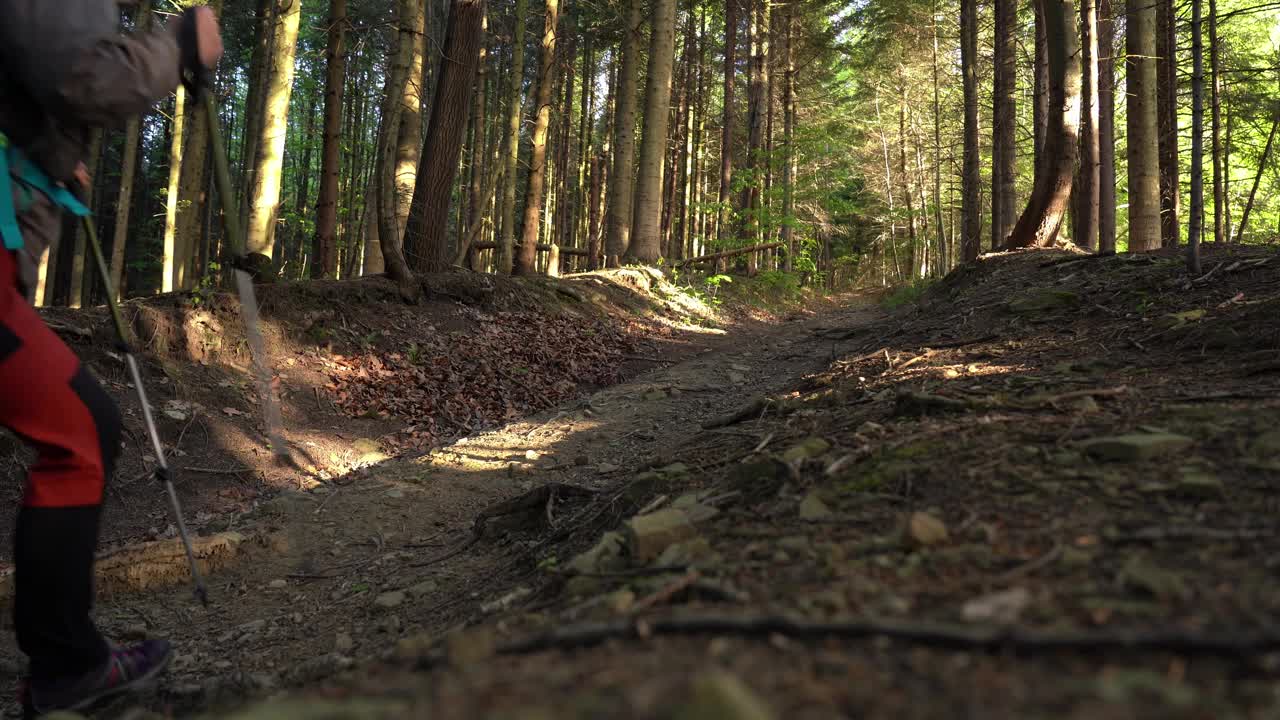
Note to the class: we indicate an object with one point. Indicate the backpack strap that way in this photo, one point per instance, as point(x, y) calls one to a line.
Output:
point(14, 166)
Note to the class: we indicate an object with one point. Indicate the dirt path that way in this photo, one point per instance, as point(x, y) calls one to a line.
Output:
point(335, 577)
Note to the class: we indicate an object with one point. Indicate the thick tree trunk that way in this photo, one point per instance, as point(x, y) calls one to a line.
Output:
point(408, 137)
point(1167, 114)
point(265, 204)
point(254, 107)
point(622, 177)
point(1106, 129)
point(526, 258)
point(1051, 193)
point(1143, 129)
point(426, 246)
point(646, 237)
point(1087, 195)
point(1220, 231)
point(1004, 149)
point(970, 222)
point(324, 247)
point(726, 128)
point(1196, 220)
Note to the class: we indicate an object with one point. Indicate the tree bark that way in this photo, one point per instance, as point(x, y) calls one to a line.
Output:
point(526, 258)
point(1106, 129)
point(128, 172)
point(1051, 193)
point(1196, 220)
point(506, 244)
point(943, 263)
point(269, 164)
point(1004, 210)
point(1143, 129)
point(324, 247)
point(970, 230)
point(1167, 121)
point(726, 131)
point(750, 206)
point(1040, 108)
point(254, 107)
point(622, 178)
point(1087, 189)
point(788, 140)
point(1220, 232)
point(426, 244)
point(646, 237)
point(172, 248)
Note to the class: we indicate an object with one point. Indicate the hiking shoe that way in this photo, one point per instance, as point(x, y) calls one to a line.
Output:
point(130, 668)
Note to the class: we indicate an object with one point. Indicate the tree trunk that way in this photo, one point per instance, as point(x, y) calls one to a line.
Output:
point(756, 100)
point(1220, 232)
point(526, 258)
point(324, 248)
point(254, 109)
point(408, 147)
point(506, 245)
point(1087, 190)
point(622, 178)
point(1196, 221)
point(943, 263)
point(269, 164)
point(1167, 114)
point(128, 173)
point(1040, 109)
point(788, 140)
point(476, 197)
point(1143, 129)
point(646, 238)
point(1004, 149)
point(563, 234)
point(1051, 193)
point(1106, 129)
point(970, 222)
point(912, 238)
point(1263, 164)
point(172, 249)
point(726, 131)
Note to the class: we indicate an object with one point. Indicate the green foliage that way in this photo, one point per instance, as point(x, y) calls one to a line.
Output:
point(906, 294)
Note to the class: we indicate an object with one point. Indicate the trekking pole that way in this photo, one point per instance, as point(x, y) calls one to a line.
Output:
point(163, 474)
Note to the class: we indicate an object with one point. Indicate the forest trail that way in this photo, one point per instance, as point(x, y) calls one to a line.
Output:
point(334, 577)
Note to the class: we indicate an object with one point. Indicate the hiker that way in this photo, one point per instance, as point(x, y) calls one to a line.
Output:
point(63, 70)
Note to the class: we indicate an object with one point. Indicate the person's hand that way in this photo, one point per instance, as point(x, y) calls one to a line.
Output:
point(208, 35)
point(82, 176)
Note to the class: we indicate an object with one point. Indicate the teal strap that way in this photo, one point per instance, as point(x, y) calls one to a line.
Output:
point(13, 164)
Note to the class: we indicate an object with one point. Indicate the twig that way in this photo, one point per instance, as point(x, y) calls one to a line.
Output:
point(657, 503)
point(648, 359)
point(1039, 563)
point(326, 500)
point(1157, 534)
point(215, 471)
point(666, 593)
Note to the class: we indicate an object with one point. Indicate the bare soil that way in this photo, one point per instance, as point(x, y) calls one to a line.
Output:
point(1044, 490)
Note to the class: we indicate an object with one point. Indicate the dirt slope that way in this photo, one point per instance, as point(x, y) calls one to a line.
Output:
point(1046, 490)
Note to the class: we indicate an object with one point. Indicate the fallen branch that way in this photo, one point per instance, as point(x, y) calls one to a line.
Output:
point(729, 253)
point(751, 410)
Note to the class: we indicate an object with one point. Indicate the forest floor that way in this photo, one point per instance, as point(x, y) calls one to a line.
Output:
point(1045, 489)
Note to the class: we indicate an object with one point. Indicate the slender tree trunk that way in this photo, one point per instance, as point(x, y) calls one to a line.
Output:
point(302, 201)
point(756, 117)
point(622, 178)
point(1051, 193)
point(1220, 231)
point(888, 174)
point(943, 262)
point(408, 144)
point(506, 245)
point(1167, 121)
point(1004, 149)
point(788, 139)
point(586, 146)
point(646, 238)
point(684, 217)
point(269, 164)
point(1196, 223)
point(726, 131)
point(563, 232)
point(905, 177)
point(324, 248)
point(1087, 191)
point(477, 198)
point(254, 108)
point(1106, 129)
point(1040, 109)
point(1143, 136)
point(526, 258)
point(172, 261)
point(1263, 164)
point(128, 172)
point(970, 230)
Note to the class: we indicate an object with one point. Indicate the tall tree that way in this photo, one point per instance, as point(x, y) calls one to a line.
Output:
point(526, 258)
point(255, 107)
point(172, 261)
point(1142, 145)
point(1004, 172)
point(970, 223)
point(1040, 76)
point(1196, 223)
point(506, 245)
point(324, 247)
point(646, 236)
point(1167, 120)
point(1106, 129)
point(622, 177)
point(788, 137)
point(1087, 190)
point(269, 163)
point(1220, 232)
point(726, 128)
point(426, 246)
point(1051, 193)
point(757, 102)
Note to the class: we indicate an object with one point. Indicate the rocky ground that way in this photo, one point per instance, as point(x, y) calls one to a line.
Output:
point(1043, 490)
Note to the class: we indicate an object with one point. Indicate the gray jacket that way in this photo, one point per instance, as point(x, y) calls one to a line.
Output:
point(65, 69)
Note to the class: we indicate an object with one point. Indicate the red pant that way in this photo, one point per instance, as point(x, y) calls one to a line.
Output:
point(52, 402)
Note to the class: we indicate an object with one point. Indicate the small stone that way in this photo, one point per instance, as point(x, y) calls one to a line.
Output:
point(811, 448)
point(1004, 607)
point(925, 530)
point(532, 455)
point(607, 468)
point(1135, 447)
point(581, 460)
point(736, 378)
point(648, 535)
point(1200, 486)
point(813, 508)
point(604, 556)
point(689, 552)
point(343, 643)
point(389, 600)
point(278, 584)
point(719, 695)
point(426, 587)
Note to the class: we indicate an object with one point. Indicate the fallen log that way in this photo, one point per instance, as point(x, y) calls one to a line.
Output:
point(730, 253)
point(542, 247)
